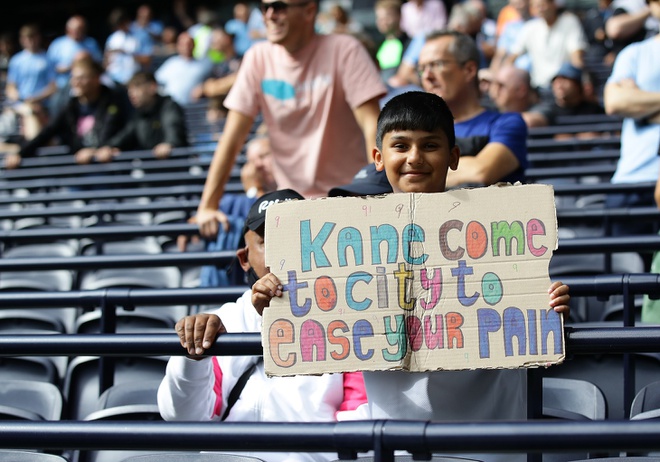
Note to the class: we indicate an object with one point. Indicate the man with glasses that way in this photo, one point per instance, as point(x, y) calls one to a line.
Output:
point(493, 145)
point(318, 95)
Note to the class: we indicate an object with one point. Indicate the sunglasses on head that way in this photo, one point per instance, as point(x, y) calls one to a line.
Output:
point(280, 6)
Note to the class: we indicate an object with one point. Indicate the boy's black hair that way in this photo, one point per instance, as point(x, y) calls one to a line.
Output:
point(415, 110)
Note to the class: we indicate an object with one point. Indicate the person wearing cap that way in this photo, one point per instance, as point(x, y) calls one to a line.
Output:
point(569, 98)
point(367, 182)
point(198, 387)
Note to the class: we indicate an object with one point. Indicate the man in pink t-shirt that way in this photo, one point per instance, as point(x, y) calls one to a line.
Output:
point(318, 95)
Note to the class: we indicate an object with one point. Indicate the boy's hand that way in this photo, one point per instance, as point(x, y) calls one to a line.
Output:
point(559, 298)
point(264, 290)
point(198, 332)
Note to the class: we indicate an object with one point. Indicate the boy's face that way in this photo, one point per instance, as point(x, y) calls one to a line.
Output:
point(415, 160)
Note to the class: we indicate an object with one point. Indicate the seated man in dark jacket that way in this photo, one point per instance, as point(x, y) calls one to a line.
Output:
point(157, 124)
point(93, 114)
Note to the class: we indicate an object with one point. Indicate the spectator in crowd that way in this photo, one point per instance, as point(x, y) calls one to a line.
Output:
point(406, 74)
point(337, 21)
point(466, 18)
point(551, 39)
point(395, 41)
point(148, 29)
point(420, 17)
point(63, 49)
point(124, 53)
point(166, 47)
point(569, 98)
point(158, 123)
point(633, 92)
point(200, 32)
point(631, 21)
point(236, 388)
point(257, 172)
point(223, 74)
point(238, 28)
point(493, 146)
point(61, 97)
point(30, 75)
point(511, 91)
point(181, 76)
point(92, 116)
point(30, 85)
point(507, 38)
point(415, 134)
point(486, 36)
point(506, 14)
point(601, 47)
point(318, 95)
point(257, 25)
point(8, 48)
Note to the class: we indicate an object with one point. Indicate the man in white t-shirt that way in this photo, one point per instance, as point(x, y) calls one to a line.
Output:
point(550, 40)
point(318, 96)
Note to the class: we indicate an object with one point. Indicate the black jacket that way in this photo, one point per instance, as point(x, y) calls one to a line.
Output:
point(110, 116)
point(162, 122)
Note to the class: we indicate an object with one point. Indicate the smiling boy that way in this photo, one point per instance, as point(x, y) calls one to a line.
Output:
point(416, 148)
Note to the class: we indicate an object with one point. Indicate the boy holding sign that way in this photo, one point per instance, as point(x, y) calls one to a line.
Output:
point(416, 148)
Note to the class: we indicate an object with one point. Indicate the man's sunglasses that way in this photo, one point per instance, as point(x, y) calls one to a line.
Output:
point(280, 6)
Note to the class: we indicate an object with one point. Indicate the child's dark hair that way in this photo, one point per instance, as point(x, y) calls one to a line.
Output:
point(415, 110)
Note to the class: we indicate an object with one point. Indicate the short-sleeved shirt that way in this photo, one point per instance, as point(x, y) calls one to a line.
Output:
point(550, 47)
point(121, 63)
point(30, 72)
point(63, 49)
point(431, 16)
point(507, 40)
point(307, 101)
point(640, 140)
point(507, 128)
point(178, 76)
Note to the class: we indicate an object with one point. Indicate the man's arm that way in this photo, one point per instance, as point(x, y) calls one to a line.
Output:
point(232, 139)
point(577, 58)
point(494, 162)
point(625, 25)
point(366, 116)
point(625, 99)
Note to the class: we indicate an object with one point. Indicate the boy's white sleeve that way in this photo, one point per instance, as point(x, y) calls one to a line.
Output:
point(186, 392)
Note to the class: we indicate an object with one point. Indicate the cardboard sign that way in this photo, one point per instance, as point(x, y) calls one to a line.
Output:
point(419, 282)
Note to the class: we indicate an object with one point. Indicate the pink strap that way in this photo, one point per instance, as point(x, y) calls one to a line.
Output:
point(355, 393)
point(217, 387)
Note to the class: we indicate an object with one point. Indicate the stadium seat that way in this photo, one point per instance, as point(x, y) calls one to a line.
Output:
point(25, 456)
point(42, 400)
point(56, 280)
point(646, 404)
point(29, 368)
point(81, 383)
point(573, 399)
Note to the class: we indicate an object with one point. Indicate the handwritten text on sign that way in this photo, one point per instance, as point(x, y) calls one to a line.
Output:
point(454, 280)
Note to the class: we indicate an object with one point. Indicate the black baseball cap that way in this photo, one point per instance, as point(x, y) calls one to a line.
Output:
point(367, 182)
point(257, 215)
